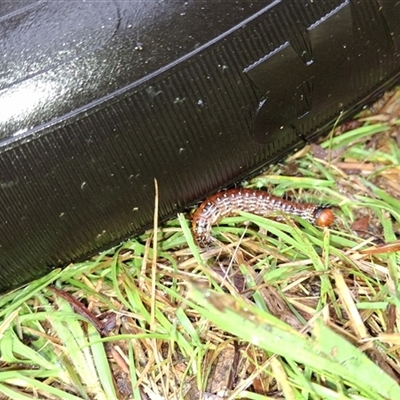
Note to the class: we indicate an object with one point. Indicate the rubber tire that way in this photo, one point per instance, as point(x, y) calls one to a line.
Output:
point(99, 101)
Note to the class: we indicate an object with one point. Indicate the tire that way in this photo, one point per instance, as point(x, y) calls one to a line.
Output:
point(98, 101)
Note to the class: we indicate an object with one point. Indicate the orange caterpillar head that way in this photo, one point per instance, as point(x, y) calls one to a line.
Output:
point(324, 217)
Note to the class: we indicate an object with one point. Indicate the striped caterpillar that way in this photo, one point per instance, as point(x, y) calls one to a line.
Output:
point(259, 202)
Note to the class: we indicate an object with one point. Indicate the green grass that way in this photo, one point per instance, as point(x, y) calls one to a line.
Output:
point(270, 310)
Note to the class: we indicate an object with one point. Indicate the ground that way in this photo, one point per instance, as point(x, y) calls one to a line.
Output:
point(273, 308)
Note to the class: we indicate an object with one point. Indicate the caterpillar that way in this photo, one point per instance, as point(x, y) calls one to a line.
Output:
point(259, 202)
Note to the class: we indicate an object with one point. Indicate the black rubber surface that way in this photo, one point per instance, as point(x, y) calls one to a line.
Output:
point(98, 99)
